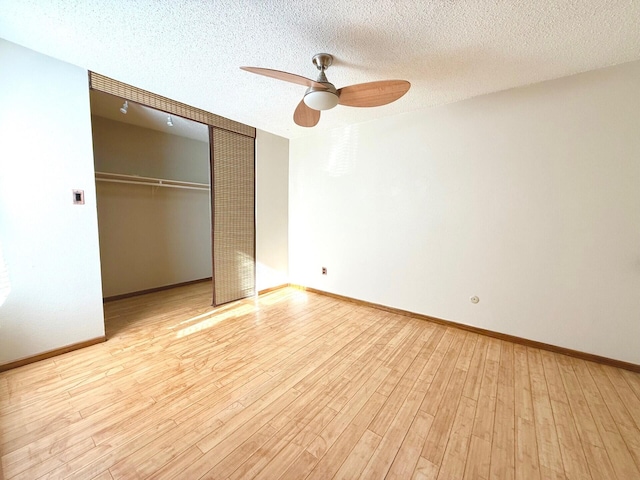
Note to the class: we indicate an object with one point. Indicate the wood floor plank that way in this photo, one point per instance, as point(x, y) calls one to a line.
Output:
point(485, 412)
point(337, 439)
point(359, 456)
point(332, 448)
point(436, 441)
point(575, 463)
point(284, 457)
point(106, 475)
point(523, 401)
point(255, 443)
point(549, 456)
point(178, 465)
point(455, 455)
point(396, 398)
point(503, 439)
point(468, 350)
point(526, 465)
point(476, 368)
point(478, 459)
point(585, 423)
point(263, 464)
point(385, 453)
point(297, 385)
point(425, 470)
point(405, 462)
point(435, 348)
point(526, 460)
point(437, 388)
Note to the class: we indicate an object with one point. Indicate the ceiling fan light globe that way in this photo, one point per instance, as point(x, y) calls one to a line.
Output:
point(321, 100)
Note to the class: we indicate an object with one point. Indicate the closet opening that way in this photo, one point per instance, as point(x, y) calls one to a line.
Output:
point(153, 185)
point(231, 188)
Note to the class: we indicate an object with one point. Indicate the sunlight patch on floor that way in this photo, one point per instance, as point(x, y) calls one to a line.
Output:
point(213, 318)
point(285, 294)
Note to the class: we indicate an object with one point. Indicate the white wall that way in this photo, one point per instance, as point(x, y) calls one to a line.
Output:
point(272, 214)
point(151, 237)
point(528, 198)
point(124, 148)
point(51, 293)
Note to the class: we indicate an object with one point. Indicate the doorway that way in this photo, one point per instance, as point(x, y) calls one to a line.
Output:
point(232, 186)
point(153, 197)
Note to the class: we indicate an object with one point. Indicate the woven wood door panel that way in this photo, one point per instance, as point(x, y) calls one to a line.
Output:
point(233, 204)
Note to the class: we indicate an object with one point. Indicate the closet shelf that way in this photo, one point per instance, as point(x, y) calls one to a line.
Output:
point(153, 182)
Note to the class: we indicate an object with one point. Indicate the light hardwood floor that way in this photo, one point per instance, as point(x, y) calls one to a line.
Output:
point(300, 385)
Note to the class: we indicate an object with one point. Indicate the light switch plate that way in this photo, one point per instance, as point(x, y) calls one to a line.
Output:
point(78, 197)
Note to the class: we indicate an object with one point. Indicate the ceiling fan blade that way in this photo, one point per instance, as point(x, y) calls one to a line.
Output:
point(305, 116)
point(373, 94)
point(286, 76)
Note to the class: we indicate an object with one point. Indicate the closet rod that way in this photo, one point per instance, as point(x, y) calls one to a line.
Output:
point(152, 184)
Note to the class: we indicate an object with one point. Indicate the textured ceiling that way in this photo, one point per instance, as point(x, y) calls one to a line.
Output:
point(448, 50)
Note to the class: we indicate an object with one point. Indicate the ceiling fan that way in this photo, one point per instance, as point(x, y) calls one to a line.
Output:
point(322, 95)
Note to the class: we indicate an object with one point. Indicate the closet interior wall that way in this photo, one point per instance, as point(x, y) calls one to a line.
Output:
point(151, 236)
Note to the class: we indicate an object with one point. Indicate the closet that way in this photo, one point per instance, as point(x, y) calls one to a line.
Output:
point(160, 222)
point(153, 201)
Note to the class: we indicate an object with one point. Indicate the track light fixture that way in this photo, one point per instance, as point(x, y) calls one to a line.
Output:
point(169, 122)
point(124, 107)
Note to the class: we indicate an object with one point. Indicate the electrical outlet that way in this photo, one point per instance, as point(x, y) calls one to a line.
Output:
point(324, 270)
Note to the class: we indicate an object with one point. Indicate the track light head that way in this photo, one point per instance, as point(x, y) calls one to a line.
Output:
point(169, 122)
point(124, 107)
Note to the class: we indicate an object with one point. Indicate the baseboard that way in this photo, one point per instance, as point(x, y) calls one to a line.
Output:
point(489, 333)
point(153, 290)
point(51, 353)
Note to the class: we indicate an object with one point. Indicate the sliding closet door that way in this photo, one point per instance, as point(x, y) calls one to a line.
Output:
point(233, 215)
